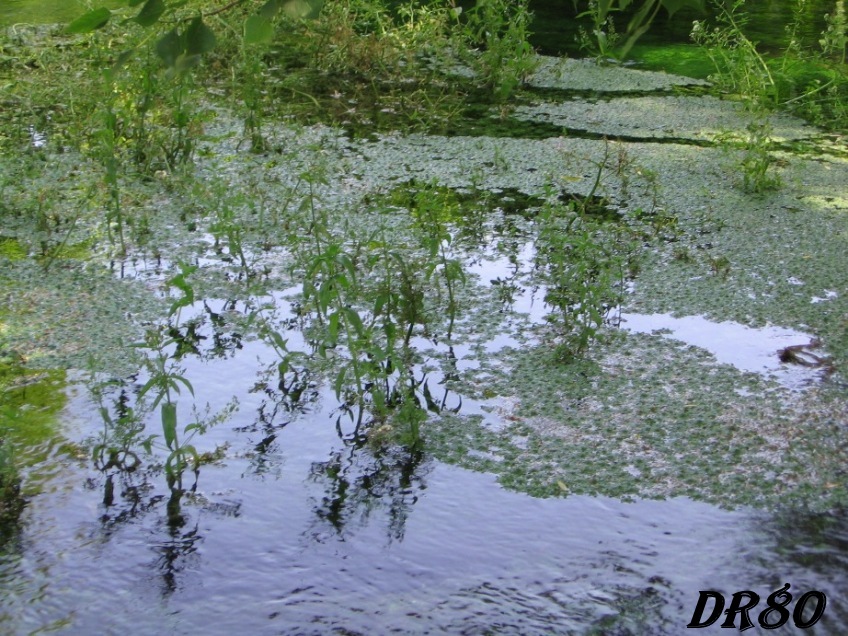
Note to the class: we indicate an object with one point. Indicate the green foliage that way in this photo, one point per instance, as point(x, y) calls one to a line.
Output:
point(812, 83)
point(741, 68)
point(91, 21)
point(165, 382)
point(500, 30)
point(584, 267)
point(756, 160)
point(609, 42)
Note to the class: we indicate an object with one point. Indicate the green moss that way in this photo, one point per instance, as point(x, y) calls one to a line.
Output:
point(11, 248)
point(30, 401)
point(683, 59)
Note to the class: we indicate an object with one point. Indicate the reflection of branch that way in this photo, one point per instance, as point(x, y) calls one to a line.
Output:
point(363, 481)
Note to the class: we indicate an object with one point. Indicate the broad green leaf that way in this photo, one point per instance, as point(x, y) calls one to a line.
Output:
point(135, 3)
point(199, 38)
point(185, 62)
point(271, 8)
point(169, 423)
point(169, 47)
point(91, 21)
point(302, 8)
point(333, 328)
point(150, 13)
point(258, 30)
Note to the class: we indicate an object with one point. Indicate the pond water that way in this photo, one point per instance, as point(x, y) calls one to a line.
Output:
point(298, 524)
point(297, 532)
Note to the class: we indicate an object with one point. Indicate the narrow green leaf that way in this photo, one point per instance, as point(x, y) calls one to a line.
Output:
point(279, 341)
point(199, 38)
point(333, 327)
point(169, 423)
point(150, 13)
point(354, 319)
point(283, 368)
point(91, 21)
point(339, 383)
point(379, 303)
point(104, 413)
point(185, 382)
point(258, 30)
point(148, 385)
point(122, 59)
point(147, 443)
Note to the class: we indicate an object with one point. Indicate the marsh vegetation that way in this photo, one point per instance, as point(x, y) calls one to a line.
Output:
point(250, 232)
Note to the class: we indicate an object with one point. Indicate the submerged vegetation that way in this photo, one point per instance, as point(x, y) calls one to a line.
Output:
point(215, 153)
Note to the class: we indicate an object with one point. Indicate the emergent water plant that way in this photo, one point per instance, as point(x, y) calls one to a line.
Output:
point(810, 81)
point(166, 381)
point(500, 30)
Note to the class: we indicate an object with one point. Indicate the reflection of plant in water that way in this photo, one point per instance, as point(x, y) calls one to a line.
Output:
point(360, 481)
point(180, 545)
point(122, 437)
point(11, 502)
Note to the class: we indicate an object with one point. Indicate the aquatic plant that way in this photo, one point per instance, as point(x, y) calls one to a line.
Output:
point(755, 161)
point(611, 42)
point(812, 83)
point(583, 267)
point(500, 30)
point(740, 66)
point(166, 381)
